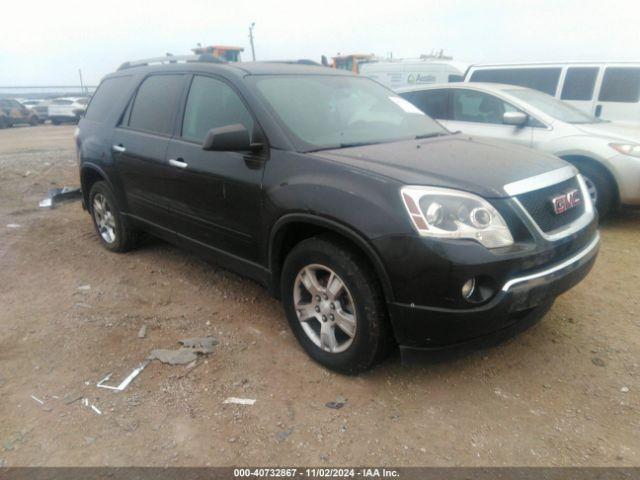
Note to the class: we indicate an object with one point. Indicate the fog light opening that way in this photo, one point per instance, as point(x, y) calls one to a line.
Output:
point(478, 289)
point(469, 288)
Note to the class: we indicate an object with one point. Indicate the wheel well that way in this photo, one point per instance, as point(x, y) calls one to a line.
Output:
point(577, 160)
point(89, 178)
point(288, 236)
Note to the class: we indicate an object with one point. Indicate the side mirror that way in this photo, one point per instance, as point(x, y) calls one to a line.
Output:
point(230, 138)
point(517, 119)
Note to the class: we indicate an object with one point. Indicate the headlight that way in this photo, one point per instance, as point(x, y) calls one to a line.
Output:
point(445, 213)
point(627, 148)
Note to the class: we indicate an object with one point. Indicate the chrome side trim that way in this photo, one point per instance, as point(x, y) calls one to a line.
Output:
point(585, 219)
point(540, 181)
point(555, 268)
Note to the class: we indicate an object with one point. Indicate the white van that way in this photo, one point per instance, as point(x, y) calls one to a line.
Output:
point(607, 90)
point(409, 72)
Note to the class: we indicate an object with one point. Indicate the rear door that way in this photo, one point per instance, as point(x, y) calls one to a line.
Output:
point(579, 87)
point(214, 197)
point(480, 114)
point(140, 145)
point(619, 96)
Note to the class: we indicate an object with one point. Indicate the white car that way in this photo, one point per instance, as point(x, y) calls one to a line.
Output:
point(606, 153)
point(67, 109)
point(605, 90)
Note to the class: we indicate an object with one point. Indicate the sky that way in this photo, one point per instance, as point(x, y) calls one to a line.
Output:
point(46, 42)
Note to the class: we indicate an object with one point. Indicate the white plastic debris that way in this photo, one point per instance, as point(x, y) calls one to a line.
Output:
point(37, 400)
point(125, 383)
point(84, 288)
point(13, 225)
point(624, 389)
point(240, 401)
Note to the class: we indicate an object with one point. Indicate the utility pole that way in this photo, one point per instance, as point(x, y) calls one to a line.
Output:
point(82, 83)
point(253, 50)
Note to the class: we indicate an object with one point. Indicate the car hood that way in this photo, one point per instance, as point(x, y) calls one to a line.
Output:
point(612, 130)
point(479, 166)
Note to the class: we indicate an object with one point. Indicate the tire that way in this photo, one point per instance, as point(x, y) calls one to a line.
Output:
point(3, 123)
point(108, 221)
point(360, 298)
point(34, 121)
point(600, 185)
point(55, 121)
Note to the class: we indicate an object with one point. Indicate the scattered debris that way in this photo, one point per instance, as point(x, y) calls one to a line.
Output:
point(37, 400)
point(191, 348)
point(56, 196)
point(89, 440)
point(240, 401)
point(143, 331)
point(339, 403)
point(84, 288)
point(71, 398)
point(624, 389)
point(125, 383)
point(598, 362)
point(283, 434)
point(85, 402)
point(13, 225)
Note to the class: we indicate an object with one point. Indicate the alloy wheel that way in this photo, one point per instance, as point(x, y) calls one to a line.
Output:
point(591, 188)
point(325, 308)
point(103, 216)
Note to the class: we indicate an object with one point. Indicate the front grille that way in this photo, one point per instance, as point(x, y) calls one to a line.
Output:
point(540, 206)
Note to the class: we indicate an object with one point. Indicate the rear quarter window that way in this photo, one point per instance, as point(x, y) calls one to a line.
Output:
point(103, 101)
point(543, 79)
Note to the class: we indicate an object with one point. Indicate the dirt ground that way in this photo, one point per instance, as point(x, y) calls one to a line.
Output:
point(566, 392)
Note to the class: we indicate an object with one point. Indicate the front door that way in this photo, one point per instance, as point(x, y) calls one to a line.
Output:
point(480, 114)
point(214, 197)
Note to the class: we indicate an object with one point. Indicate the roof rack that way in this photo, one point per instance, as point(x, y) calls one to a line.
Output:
point(204, 58)
point(301, 61)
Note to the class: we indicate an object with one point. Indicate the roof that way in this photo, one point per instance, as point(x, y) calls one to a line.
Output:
point(205, 63)
point(471, 85)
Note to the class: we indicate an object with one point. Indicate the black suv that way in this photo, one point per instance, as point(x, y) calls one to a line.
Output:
point(372, 223)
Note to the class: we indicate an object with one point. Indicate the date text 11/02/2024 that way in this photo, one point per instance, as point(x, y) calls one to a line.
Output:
point(315, 472)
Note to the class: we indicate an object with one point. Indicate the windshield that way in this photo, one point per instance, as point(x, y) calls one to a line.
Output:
point(552, 107)
point(324, 112)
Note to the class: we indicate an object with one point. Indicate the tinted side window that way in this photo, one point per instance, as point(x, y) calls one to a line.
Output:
point(212, 104)
point(579, 83)
point(620, 84)
point(155, 103)
point(105, 97)
point(479, 107)
point(543, 79)
point(434, 103)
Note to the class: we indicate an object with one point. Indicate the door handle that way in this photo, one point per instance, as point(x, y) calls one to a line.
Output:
point(118, 148)
point(180, 163)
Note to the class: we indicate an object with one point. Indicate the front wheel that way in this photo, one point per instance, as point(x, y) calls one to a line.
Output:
point(334, 305)
point(600, 187)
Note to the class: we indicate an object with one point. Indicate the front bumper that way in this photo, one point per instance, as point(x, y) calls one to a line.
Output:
point(521, 298)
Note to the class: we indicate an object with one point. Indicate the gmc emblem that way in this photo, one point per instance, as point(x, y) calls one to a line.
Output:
point(566, 201)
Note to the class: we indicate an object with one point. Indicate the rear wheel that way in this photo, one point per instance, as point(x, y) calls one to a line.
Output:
point(108, 221)
point(334, 305)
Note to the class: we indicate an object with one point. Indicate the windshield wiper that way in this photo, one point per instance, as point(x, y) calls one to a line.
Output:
point(431, 135)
